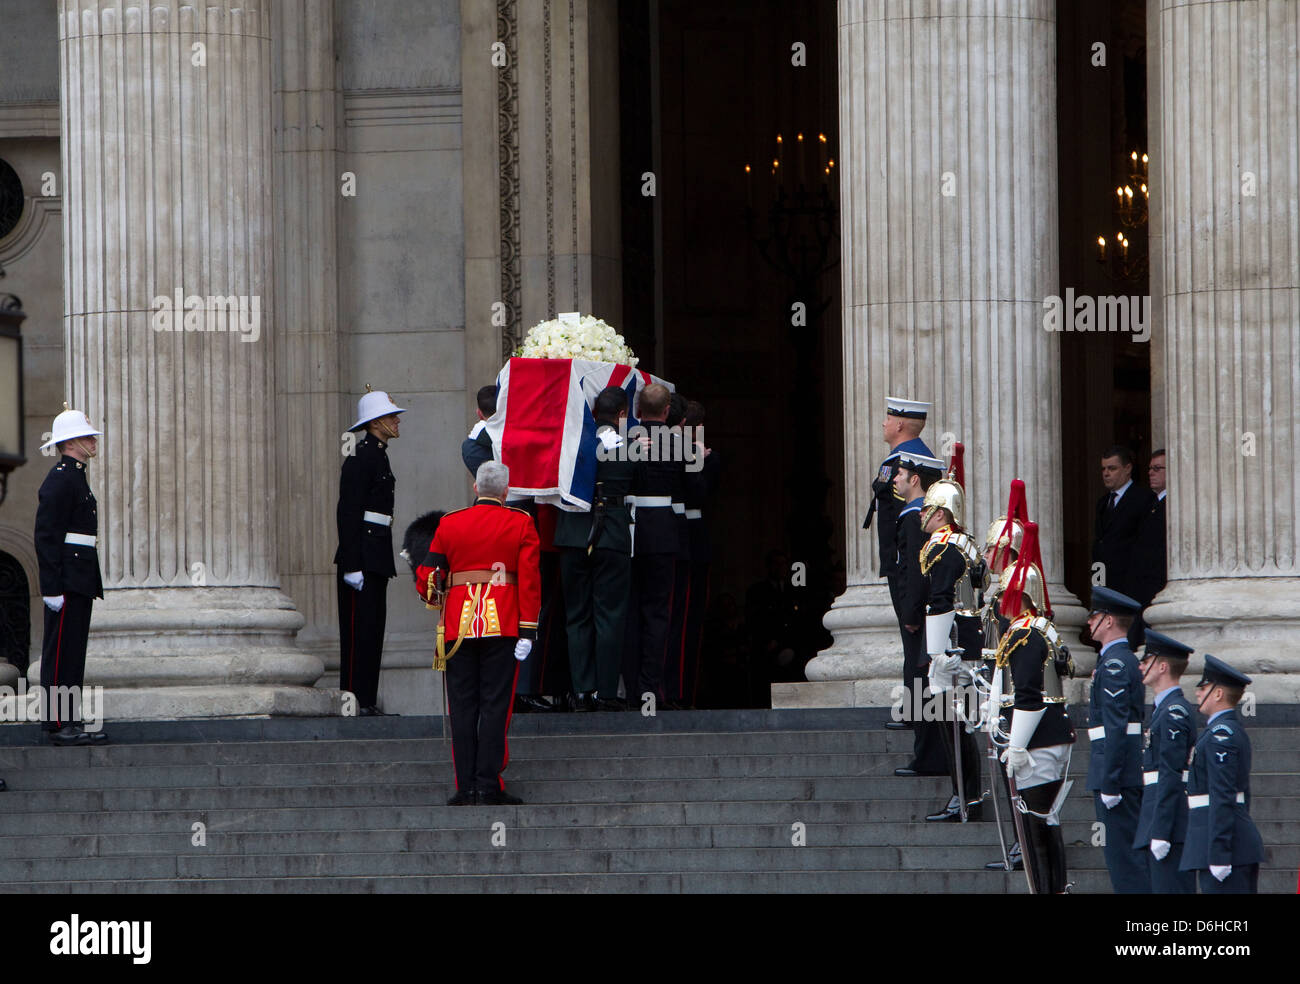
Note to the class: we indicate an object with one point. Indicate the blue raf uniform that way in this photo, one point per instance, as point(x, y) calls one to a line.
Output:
point(1115, 709)
point(1169, 742)
point(1220, 833)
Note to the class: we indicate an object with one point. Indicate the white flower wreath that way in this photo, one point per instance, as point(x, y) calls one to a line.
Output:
point(571, 336)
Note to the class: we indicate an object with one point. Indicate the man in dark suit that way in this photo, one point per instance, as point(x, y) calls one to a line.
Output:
point(596, 562)
point(1120, 514)
point(477, 446)
point(1150, 562)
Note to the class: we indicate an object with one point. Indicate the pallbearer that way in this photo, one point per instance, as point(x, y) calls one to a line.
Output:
point(1223, 847)
point(1162, 825)
point(1040, 738)
point(364, 557)
point(67, 541)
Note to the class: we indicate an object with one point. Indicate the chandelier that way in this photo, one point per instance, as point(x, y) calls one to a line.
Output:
point(1126, 259)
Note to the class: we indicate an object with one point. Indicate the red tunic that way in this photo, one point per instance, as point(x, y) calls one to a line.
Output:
point(474, 539)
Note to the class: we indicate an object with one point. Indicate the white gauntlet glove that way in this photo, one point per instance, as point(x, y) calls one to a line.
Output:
point(53, 602)
point(1109, 801)
point(522, 648)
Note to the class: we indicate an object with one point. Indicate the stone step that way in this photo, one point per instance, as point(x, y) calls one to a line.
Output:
point(906, 835)
point(749, 882)
point(200, 864)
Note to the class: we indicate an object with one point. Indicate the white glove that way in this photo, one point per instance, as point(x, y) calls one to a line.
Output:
point(1110, 802)
point(522, 648)
point(1159, 849)
point(942, 667)
point(53, 602)
point(1016, 759)
point(355, 580)
point(1220, 871)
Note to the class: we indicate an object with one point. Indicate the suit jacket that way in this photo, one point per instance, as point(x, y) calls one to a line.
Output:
point(1219, 828)
point(1115, 536)
point(66, 506)
point(366, 484)
point(476, 539)
point(1115, 708)
point(659, 529)
point(1150, 560)
point(1170, 740)
point(698, 493)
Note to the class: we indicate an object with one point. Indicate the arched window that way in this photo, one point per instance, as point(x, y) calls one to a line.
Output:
point(15, 613)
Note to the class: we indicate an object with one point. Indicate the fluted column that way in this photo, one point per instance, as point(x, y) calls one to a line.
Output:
point(1225, 113)
point(308, 403)
point(948, 186)
point(167, 170)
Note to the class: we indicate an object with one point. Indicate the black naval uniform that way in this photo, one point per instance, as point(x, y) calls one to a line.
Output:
point(596, 584)
point(1024, 653)
point(1169, 742)
point(944, 564)
point(655, 549)
point(908, 586)
point(1219, 828)
point(1115, 709)
point(366, 485)
point(66, 508)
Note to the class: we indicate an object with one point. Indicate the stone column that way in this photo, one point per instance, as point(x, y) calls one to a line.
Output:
point(308, 404)
point(1224, 119)
point(167, 169)
point(948, 188)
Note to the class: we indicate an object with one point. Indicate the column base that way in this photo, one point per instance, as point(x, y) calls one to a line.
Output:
point(1251, 622)
point(170, 653)
point(864, 665)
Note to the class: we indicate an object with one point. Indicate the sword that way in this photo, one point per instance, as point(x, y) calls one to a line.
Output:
point(986, 690)
point(1026, 849)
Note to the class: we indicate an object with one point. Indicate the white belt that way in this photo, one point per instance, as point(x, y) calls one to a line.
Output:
point(1196, 802)
point(679, 508)
point(652, 501)
point(694, 514)
point(379, 519)
point(1099, 732)
point(1150, 778)
point(80, 539)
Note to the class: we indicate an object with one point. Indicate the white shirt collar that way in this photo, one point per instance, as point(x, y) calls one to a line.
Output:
point(1119, 492)
point(1160, 698)
point(1163, 493)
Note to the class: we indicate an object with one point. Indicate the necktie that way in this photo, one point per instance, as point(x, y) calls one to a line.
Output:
point(1113, 497)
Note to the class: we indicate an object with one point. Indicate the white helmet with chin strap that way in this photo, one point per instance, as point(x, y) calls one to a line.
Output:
point(372, 406)
point(68, 426)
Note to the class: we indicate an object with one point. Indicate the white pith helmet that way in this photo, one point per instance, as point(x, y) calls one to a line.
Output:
point(69, 425)
point(372, 406)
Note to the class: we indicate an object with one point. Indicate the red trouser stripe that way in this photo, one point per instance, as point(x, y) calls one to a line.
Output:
point(510, 712)
point(58, 650)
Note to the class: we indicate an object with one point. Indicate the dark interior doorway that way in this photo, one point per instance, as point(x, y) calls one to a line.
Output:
point(1102, 122)
point(706, 87)
point(15, 613)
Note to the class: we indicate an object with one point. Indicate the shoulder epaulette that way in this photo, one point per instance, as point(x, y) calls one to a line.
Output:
point(518, 510)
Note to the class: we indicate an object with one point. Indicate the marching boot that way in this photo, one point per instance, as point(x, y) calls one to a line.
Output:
point(1013, 855)
point(949, 813)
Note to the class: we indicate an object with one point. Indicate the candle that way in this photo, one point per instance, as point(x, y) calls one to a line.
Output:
point(799, 149)
point(821, 151)
point(1101, 249)
point(749, 187)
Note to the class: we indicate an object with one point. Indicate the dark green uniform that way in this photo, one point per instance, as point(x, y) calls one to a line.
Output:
point(597, 583)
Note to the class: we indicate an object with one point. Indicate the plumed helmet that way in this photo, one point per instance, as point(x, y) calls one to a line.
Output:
point(949, 493)
point(1023, 582)
point(1007, 532)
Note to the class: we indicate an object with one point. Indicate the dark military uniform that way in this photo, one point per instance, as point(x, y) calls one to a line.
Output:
point(698, 494)
point(1219, 829)
point(1115, 708)
point(1169, 742)
point(655, 549)
point(365, 530)
point(952, 568)
point(1025, 652)
point(596, 583)
point(67, 527)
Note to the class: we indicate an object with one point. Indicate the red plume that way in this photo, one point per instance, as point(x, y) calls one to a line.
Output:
point(957, 470)
point(1013, 597)
point(1016, 510)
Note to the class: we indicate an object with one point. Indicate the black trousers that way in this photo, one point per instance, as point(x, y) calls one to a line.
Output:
point(931, 740)
point(595, 599)
point(362, 615)
point(652, 591)
point(546, 671)
point(480, 691)
point(63, 660)
point(695, 612)
point(675, 658)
